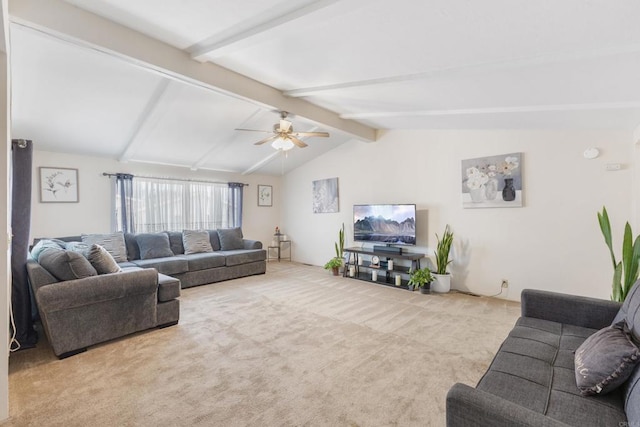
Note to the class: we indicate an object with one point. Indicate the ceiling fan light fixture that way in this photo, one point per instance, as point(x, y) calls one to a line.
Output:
point(283, 144)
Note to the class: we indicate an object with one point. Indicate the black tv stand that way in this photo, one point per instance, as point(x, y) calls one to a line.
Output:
point(362, 270)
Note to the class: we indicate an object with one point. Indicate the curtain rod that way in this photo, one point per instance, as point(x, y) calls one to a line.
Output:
point(174, 179)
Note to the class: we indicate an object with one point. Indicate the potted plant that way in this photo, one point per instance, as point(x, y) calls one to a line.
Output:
point(421, 278)
point(625, 272)
point(333, 264)
point(442, 277)
point(339, 245)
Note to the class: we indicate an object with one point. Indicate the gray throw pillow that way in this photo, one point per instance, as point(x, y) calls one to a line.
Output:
point(102, 260)
point(113, 243)
point(154, 245)
point(605, 360)
point(196, 241)
point(66, 265)
point(231, 239)
point(43, 244)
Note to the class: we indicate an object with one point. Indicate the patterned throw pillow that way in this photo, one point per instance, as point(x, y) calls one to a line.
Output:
point(113, 243)
point(102, 260)
point(66, 265)
point(196, 241)
point(231, 239)
point(605, 360)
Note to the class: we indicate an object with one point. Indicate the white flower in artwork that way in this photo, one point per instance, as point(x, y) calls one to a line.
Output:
point(476, 179)
point(509, 165)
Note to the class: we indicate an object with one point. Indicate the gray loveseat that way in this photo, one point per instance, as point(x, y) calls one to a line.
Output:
point(532, 381)
point(85, 311)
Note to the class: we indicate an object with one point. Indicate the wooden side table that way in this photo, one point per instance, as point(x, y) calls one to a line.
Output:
point(280, 240)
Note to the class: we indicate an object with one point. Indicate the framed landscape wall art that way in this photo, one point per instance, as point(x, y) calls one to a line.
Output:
point(325, 196)
point(492, 181)
point(265, 195)
point(58, 185)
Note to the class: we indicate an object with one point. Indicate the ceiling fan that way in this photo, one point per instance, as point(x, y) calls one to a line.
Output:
point(284, 138)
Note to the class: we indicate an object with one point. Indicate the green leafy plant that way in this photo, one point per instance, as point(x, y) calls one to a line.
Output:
point(340, 243)
point(442, 250)
point(625, 272)
point(333, 263)
point(420, 277)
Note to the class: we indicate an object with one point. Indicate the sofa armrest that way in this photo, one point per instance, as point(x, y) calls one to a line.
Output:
point(252, 244)
point(570, 309)
point(469, 407)
point(96, 289)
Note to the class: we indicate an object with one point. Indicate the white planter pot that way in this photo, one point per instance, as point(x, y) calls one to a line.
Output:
point(442, 284)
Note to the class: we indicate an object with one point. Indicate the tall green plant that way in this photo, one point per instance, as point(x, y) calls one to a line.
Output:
point(442, 250)
point(340, 243)
point(625, 272)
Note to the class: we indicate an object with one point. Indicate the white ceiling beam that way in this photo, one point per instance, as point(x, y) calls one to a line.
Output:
point(143, 119)
point(219, 44)
point(496, 110)
point(472, 69)
point(59, 19)
point(262, 162)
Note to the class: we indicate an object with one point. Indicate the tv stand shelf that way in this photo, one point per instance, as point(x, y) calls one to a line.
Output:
point(385, 276)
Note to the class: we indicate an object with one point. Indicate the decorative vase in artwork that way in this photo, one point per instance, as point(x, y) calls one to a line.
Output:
point(477, 194)
point(509, 191)
point(491, 189)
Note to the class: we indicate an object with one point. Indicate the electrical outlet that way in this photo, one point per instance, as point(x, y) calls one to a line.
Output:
point(505, 283)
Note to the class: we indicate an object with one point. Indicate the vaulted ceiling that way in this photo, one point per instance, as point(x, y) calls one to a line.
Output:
point(169, 82)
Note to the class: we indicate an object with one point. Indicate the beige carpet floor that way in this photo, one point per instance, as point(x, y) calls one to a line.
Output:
point(294, 347)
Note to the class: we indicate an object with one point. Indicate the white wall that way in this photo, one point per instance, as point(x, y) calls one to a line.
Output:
point(91, 214)
point(553, 242)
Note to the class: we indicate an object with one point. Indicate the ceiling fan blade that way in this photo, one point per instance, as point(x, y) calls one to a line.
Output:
point(284, 125)
point(254, 130)
point(262, 141)
point(321, 134)
point(297, 142)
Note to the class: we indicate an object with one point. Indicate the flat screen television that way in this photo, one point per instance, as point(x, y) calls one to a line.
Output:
point(385, 224)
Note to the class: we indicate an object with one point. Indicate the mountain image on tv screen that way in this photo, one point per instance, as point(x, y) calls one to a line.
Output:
point(387, 224)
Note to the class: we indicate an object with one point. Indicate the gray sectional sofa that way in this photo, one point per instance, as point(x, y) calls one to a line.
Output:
point(532, 380)
point(143, 289)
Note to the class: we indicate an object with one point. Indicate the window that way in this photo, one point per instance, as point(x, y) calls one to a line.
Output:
point(159, 204)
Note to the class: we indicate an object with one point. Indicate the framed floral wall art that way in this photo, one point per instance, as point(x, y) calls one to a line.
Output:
point(265, 195)
point(492, 182)
point(58, 185)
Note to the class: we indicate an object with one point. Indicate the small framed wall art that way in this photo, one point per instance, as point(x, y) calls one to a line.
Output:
point(58, 185)
point(265, 195)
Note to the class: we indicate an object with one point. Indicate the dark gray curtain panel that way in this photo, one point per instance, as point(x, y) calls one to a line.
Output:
point(21, 165)
point(235, 204)
point(124, 191)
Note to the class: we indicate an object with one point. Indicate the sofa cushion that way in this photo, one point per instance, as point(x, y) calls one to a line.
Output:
point(113, 243)
point(534, 369)
point(196, 241)
point(230, 239)
point(605, 360)
point(102, 260)
point(168, 288)
point(153, 245)
point(133, 251)
point(244, 256)
point(66, 265)
point(203, 261)
point(43, 244)
point(169, 266)
point(175, 242)
point(214, 239)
